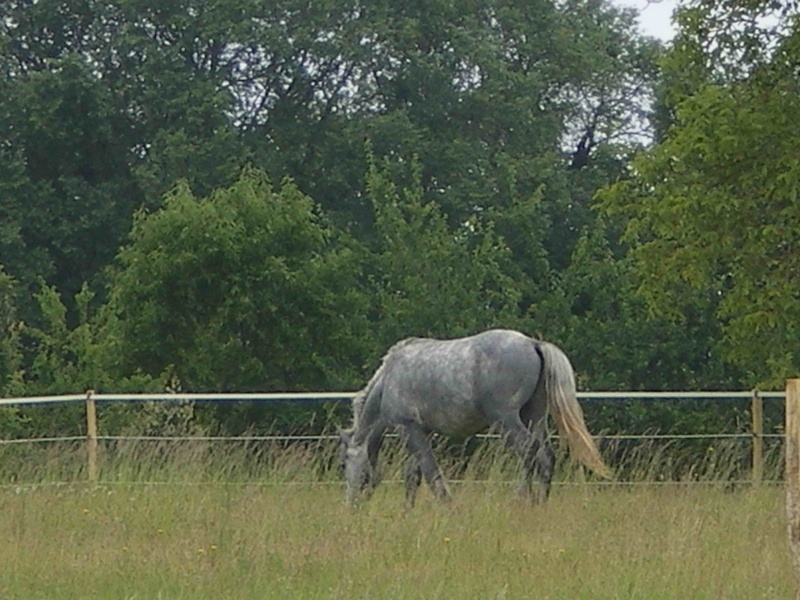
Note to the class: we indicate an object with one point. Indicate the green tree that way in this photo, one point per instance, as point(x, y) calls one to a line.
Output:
point(67, 196)
point(489, 96)
point(427, 278)
point(615, 343)
point(247, 289)
point(11, 360)
point(67, 359)
point(50, 357)
point(712, 209)
point(10, 345)
point(104, 105)
point(497, 122)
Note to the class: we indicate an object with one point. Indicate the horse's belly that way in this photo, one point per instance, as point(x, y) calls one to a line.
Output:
point(458, 419)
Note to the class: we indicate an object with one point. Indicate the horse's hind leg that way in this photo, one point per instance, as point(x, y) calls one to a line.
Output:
point(419, 446)
point(544, 461)
point(413, 477)
point(535, 454)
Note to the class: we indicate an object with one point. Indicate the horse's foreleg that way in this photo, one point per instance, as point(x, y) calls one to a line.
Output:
point(419, 446)
point(374, 444)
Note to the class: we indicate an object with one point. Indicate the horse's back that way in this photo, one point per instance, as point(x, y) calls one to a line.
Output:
point(459, 386)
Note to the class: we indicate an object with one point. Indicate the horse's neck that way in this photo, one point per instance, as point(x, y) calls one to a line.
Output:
point(358, 407)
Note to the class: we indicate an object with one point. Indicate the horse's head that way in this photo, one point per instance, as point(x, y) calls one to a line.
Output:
point(354, 464)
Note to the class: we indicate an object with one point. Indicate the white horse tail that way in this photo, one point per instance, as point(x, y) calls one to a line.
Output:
point(562, 400)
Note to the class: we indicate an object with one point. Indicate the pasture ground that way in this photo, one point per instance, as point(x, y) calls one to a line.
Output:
point(297, 541)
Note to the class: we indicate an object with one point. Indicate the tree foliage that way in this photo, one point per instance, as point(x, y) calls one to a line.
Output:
point(238, 195)
point(714, 207)
point(133, 96)
point(428, 279)
point(224, 288)
point(11, 359)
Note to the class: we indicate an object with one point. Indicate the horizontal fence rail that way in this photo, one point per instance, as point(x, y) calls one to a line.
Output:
point(344, 396)
point(92, 437)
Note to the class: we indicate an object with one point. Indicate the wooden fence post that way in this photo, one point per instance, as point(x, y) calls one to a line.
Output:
point(793, 475)
point(91, 435)
point(757, 413)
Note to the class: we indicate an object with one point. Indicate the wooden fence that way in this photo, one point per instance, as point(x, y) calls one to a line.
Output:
point(793, 475)
point(757, 435)
point(92, 436)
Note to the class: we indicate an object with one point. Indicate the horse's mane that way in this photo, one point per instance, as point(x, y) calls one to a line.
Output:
point(360, 399)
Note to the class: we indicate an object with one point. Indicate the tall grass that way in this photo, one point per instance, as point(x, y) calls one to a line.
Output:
point(317, 460)
point(204, 519)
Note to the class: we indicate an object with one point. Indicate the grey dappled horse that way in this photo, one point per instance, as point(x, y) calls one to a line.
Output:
point(459, 388)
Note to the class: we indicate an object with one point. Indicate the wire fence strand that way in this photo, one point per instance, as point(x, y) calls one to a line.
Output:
point(92, 438)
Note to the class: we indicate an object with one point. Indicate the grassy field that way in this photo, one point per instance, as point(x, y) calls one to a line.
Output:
point(282, 533)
